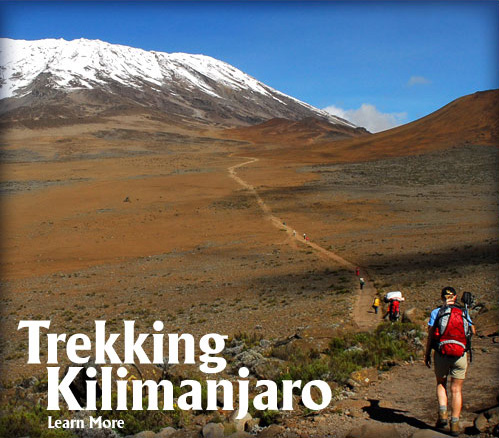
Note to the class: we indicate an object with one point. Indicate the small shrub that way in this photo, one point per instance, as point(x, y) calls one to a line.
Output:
point(250, 339)
point(269, 417)
point(361, 350)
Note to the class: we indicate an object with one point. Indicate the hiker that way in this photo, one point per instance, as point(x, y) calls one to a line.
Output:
point(304, 236)
point(362, 283)
point(449, 331)
point(294, 233)
point(376, 304)
point(357, 272)
point(394, 310)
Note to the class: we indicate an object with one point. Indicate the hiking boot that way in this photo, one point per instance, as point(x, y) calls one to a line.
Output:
point(443, 420)
point(454, 428)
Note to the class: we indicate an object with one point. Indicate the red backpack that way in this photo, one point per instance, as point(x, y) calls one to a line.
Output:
point(394, 310)
point(452, 331)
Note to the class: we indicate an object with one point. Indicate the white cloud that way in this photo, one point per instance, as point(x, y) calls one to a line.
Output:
point(418, 80)
point(369, 117)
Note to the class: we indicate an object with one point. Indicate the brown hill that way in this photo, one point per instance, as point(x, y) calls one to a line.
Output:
point(471, 119)
point(308, 131)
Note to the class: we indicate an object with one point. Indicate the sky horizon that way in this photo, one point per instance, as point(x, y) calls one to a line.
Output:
point(377, 64)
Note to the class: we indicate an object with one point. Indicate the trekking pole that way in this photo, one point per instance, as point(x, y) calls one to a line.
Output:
point(469, 336)
point(468, 299)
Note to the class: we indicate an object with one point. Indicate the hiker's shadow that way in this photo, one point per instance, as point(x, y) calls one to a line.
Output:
point(388, 415)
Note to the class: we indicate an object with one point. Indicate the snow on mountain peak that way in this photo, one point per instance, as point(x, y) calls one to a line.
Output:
point(91, 62)
point(88, 64)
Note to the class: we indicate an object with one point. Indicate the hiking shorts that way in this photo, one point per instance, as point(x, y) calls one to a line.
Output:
point(450, 366)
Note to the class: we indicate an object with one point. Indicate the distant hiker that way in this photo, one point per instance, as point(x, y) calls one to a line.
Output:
point(362, 283)
point(357, 272)
point(394, 310)
point(393, 299)
point(294, 233)
point(449, 331)
point(376, 304)
point(307, 239)
point(304, 236)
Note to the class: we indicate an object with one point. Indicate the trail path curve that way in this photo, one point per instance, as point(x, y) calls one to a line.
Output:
point(363, 315)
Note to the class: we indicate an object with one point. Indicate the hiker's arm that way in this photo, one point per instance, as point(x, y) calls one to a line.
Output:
point(473, 329)
point(427, 355)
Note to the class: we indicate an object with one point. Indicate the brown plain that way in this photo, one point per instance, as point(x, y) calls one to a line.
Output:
point(130, 217)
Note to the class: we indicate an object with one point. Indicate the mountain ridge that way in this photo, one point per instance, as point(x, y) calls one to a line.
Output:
point(107, 77)
point(468, 120)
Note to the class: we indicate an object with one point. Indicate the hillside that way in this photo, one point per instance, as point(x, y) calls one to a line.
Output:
point(298, 133)
point(469, 120)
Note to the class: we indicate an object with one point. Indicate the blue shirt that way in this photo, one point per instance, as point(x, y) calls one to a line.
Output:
point(434, 314)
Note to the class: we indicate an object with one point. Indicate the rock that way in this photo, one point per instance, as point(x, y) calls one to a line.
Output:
point(493, 415)
point(374, 431)
point(348, 403)
point(233, 351)
point(253, 423)
point(239, 423)
point(270, 369)
point(481, 423)
point(249, 359)
point(428, 433)
point(185, 434)
point(213, 430)
point(487, 421)
point(240, 435)
point(356, 413)
point(166, 432)
point(272, 431)
point(352, 383)
point(411, 315)
point(145, 434)
point(95, 433)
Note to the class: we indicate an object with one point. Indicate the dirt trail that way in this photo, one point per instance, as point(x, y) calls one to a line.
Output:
point(363, 315)
point(405, 397)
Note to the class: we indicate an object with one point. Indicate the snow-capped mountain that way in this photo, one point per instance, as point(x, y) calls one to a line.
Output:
point(81, 78)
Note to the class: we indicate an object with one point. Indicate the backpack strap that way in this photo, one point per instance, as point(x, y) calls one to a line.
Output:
point(452, 341)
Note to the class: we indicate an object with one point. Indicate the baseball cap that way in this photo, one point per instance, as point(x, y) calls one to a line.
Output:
point(447, 291)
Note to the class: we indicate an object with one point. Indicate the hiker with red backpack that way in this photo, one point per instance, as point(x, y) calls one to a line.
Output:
point(393, 311)
point(449, 334)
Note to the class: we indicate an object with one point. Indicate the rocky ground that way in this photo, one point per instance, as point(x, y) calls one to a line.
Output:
point(106, 222)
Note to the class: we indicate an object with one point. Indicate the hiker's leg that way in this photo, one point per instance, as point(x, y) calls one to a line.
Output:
point(442, 391)
point(456, 389)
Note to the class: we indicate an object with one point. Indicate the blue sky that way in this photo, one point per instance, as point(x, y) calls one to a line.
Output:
point(375, 62)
